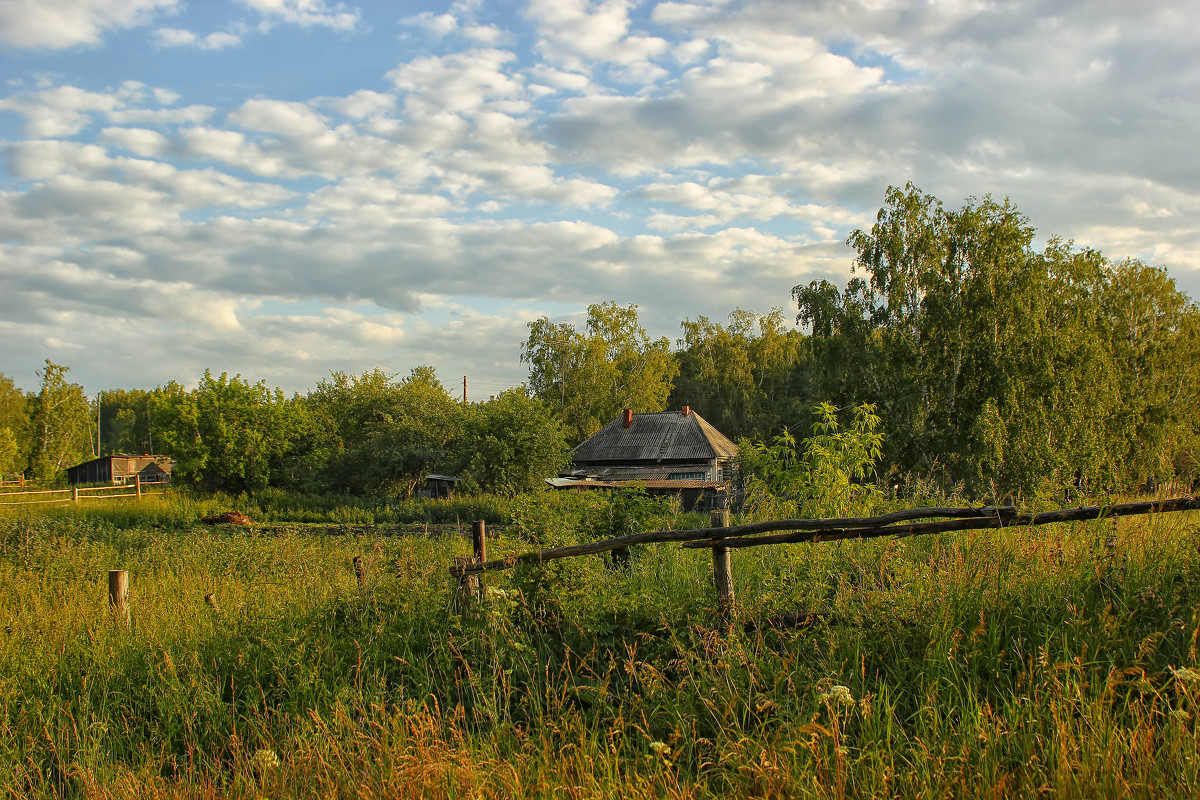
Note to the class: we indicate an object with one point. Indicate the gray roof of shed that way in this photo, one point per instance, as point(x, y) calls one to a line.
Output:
point(662, 436)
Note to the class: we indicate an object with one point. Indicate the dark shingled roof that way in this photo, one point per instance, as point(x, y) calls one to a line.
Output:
point(664, 436)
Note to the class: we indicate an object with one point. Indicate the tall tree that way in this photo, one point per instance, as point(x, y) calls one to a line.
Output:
point(60, 424)
point(125, 421)
point(589, 376)
point(1005, 367)
point(376, 434)
point(14, 427)
point(745, 377)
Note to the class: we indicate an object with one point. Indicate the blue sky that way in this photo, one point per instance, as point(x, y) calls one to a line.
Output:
point(282, 188)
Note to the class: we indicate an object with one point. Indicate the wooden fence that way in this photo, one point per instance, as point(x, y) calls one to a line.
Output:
point(721, 538)
point(75, 494)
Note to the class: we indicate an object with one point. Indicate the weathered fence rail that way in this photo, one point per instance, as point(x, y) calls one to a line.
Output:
point(75, 494)
point(722, 538)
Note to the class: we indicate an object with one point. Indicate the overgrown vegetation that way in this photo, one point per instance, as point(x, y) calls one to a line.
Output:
point(1013, 663)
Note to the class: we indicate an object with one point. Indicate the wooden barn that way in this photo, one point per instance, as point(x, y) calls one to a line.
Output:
point(122, 469)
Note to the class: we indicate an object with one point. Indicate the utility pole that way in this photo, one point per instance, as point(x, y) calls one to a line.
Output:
point(464, 390)
point(98, 396)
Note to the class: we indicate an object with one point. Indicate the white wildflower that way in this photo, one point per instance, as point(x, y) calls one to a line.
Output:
point(264, 759)
point(837, 695)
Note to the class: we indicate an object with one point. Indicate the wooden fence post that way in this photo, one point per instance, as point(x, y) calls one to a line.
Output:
point(74, 494)
point(118, 594)
point(479, 543)
point(470, 586)
point(137, 485)
point(722, 571)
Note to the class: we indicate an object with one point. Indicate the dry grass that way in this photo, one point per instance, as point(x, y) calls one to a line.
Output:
point(1046, 662)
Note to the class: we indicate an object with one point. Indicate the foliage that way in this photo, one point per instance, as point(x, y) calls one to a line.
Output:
point(10, 452)
point(226, 433)
point(512, 443)
point(829, 474)
point(60, 424)
point(14, 417)
point(747, 377)
point(379, 435)
point(1010, 369)
point(125, 425)
point(588, 377)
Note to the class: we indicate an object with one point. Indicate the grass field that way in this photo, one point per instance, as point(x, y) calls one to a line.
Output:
point(1057, 661)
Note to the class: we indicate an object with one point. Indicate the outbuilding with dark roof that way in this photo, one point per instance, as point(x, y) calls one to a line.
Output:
point(665, 451)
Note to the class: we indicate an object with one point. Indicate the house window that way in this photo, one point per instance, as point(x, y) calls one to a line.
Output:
point(686, 476)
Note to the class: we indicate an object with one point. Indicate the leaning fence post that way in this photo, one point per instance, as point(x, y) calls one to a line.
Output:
point(722, 572)
point(479, 543)
point(118, 593)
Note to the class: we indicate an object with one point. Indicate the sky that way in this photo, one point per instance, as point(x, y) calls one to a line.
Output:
point(285, 188)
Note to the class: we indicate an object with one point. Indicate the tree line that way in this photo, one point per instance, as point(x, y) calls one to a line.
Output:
point(369, 433)
point(992, 366)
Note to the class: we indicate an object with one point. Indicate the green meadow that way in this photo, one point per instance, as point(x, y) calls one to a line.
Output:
point(1058, 661)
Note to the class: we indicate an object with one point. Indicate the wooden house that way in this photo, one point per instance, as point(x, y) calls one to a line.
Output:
point(668, 452)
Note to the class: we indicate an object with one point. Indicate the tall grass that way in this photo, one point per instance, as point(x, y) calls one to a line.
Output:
point(1021, 663)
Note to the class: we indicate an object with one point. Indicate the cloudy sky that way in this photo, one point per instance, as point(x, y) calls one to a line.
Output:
point(282, 188)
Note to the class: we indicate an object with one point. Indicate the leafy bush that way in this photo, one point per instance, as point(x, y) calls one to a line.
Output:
point(829, 474)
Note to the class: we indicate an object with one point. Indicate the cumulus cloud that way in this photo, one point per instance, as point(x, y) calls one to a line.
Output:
point(56, 24)
point(306, 13)
point(178, 37)
point(689, 156)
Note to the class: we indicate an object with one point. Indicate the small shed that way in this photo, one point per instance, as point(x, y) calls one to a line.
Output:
point(440, 487)
point(121, 469)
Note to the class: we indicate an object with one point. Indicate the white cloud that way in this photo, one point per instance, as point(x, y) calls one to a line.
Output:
point(61, 111)
point(139, 141)
point(577, 33)
point(437, 24)
point(56, 24)
point(363, 103)
point(174, 37)
point(459, 83)
point(306, 13)
point(280, 118)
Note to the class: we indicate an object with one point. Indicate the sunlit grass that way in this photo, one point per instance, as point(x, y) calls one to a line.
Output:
point(1053, 661)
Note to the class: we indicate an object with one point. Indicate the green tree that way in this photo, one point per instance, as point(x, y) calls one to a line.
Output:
point(125, 421)
point(60, 424)
point(512, 443)
point(746, 377)
point(589, 376)
point(227, 432)
point(376, 434)
point(14, 418)
point(10, 452)
point(1010, 369)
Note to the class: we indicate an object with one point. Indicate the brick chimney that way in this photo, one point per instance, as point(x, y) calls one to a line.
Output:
point(627, 418)
point(687, 410)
